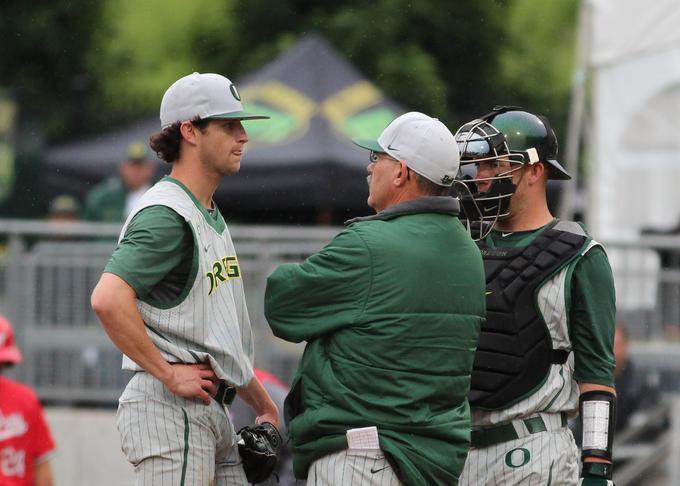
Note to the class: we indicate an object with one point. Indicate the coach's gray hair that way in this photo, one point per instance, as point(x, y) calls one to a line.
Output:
point(429, 188)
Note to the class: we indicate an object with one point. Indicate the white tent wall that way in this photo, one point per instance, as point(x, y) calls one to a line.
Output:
point(634, 176)
point(633, 184)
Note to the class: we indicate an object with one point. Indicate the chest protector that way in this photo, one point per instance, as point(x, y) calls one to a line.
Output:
point(514, 352)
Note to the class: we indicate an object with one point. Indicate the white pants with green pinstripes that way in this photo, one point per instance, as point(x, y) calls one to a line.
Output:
point(172, 441)
point(352, 467)
point(548, 458)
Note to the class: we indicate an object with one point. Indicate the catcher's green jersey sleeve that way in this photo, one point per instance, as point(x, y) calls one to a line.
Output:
point(592, 318)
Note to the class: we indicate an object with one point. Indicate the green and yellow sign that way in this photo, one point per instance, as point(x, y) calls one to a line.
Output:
point(356, 110)
point(7, 156)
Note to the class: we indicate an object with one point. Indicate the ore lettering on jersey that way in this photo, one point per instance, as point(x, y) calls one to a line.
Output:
point(222, 271)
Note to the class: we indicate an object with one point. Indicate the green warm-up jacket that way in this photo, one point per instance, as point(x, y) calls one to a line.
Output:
point(391, 310)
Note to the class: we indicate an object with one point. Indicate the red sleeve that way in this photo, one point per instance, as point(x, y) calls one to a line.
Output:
point(42, 440)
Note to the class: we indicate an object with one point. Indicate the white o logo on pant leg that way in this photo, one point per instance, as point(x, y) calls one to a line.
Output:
point(517, 457)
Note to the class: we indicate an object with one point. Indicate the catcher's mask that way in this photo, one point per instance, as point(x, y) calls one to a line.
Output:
point(492, 148)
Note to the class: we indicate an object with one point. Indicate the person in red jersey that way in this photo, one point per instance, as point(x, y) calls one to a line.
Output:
point(26, 443)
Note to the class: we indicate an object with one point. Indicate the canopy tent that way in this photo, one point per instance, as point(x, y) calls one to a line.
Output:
point(301, 158)
point(634, 64)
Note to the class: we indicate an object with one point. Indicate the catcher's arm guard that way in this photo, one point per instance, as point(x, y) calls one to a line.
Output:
point(259, 447)
point(598, 417)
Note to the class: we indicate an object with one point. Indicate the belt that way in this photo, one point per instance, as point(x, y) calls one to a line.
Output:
point(225, 393)
point(517, 429)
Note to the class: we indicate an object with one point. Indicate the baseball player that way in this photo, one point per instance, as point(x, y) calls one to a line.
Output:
point(390, 310)
point(546, 349)
point(26, 444)
point(171, 298)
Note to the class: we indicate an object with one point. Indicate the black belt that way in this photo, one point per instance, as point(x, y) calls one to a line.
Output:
point(225, 393)
point(502, 433)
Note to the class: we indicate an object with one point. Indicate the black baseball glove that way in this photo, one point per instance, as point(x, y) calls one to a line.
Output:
point(259, 448)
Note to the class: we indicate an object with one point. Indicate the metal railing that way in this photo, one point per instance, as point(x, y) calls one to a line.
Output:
point(642, 449)
point(48, 272)
point(647, 278)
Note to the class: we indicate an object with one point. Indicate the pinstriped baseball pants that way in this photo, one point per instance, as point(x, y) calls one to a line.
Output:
point(547, 458)
point(172, 441)
point(352, 467)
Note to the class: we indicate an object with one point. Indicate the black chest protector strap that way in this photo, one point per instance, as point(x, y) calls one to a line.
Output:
point(514, 352)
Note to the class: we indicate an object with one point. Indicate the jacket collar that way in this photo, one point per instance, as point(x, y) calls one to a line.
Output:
point(425, 204)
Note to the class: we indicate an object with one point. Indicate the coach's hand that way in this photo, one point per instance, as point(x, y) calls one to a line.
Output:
point(193, 381)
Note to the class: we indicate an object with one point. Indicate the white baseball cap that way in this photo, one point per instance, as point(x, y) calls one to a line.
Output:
point(204, 96)
point(424, 143)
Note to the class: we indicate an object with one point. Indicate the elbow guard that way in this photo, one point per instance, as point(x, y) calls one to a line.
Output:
point(598, 420)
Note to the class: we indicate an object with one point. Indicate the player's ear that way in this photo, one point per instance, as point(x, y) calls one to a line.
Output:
point(188, 131)
point(537, 173)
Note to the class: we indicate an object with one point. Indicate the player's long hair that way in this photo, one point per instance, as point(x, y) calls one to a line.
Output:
point(167, 143)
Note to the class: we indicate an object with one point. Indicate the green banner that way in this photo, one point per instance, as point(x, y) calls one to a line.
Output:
point(8, 112)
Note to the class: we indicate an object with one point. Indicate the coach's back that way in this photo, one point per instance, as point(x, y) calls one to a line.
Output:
point(391, 310)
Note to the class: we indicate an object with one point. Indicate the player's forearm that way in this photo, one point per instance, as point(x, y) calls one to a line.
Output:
point(114, 302)
point(255, 395)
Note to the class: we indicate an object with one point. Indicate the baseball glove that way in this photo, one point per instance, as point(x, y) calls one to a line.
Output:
point(259, 447)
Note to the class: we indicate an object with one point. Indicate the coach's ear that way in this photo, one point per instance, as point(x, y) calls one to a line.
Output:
point(401, 174)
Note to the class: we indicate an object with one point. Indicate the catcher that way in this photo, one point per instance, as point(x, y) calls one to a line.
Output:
point(546, 348)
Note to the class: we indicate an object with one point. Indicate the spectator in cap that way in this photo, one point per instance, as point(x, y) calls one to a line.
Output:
point(26, 443)
point(64, 208)
point(114, 199)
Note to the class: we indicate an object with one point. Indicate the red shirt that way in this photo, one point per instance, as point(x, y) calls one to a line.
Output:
point(25, 438)
point(266, 377)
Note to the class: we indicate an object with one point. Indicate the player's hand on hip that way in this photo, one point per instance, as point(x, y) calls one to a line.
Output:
point(193, 381)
